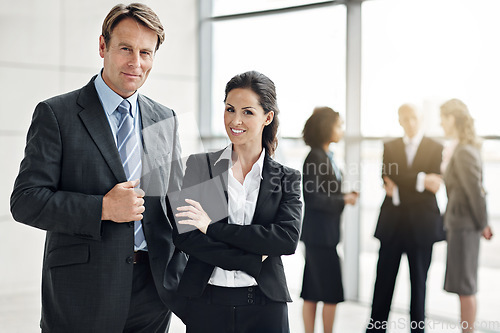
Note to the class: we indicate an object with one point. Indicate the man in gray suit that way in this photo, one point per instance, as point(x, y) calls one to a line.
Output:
point(109, 263)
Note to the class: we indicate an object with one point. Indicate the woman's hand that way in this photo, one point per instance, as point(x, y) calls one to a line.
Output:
point(487, 233)
point(196, 215)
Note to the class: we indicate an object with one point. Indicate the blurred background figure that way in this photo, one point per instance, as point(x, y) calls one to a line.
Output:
point(409, 220)
point(466, 217)
point(324, 203)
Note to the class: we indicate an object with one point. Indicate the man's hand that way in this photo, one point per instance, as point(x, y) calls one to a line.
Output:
point(123, 203)
point(432, 182)
point(389, 186)
point(351, 198)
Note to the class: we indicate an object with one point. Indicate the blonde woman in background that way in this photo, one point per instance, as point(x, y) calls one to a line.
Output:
point(466, 218)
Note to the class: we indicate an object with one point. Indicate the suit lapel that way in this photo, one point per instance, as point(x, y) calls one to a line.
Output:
point(149, 133)
point(96, 122)
point(271, 179)
point(219, 168)
point(449, 168)
point(420, 155)
point(150, 142)
point(401, 156)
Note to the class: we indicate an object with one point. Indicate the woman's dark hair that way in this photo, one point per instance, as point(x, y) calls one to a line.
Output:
point(265, 89)
point(318, 129)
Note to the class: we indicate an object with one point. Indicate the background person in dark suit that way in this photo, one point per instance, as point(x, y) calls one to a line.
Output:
point(466, 217)
point(234, 278)
point(85, 153)
point(324, 203)
point(409, 220)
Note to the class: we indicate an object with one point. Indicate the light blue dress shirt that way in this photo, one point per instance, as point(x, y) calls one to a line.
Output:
point(110, 101)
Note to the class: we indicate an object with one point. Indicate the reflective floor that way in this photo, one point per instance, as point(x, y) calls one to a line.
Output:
point(19, 313)
point(19, 310)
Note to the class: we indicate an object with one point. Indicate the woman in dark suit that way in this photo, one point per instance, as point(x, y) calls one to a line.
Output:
point(466, 218)
point(324, 203)
point(234, 279)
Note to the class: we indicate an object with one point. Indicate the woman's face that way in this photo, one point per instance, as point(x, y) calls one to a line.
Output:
point(244, 118)
point(448, 125)
point(337, 131)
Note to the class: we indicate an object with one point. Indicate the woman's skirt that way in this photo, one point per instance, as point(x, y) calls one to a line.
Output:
point(462, 261)
point(322, 280)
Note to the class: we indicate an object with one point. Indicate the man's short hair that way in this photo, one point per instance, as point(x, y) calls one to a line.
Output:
point(137, 11)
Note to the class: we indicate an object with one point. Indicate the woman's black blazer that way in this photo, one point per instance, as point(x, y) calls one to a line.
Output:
point(323, 200)
point(274, 230)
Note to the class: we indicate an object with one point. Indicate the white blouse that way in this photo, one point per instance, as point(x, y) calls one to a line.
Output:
point(242, 200)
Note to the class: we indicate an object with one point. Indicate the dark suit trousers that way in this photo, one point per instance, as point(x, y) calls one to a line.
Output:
point(236, 310)
point(147, 313)
point(419, 259)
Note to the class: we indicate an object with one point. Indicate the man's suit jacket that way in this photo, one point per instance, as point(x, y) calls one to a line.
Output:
point(71, 162)
point(323, 199)
point(466, 208)
point(274, 230)
point(417, 219)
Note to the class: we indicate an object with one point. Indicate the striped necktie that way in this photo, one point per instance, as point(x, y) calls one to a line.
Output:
point(129, 149)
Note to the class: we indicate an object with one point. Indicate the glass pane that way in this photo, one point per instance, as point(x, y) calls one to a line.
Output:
point(228, 7)
point(491, 180)
point(302, 52)
point(425, 52)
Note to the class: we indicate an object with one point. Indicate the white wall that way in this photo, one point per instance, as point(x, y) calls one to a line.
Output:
point(50, 47)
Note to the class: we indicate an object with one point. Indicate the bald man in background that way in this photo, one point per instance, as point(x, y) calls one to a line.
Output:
point(409, 220)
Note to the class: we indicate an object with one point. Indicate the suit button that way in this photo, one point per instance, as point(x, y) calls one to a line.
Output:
point(129, 260)
point(250, 289)
point(131, 224)
point(250, 301)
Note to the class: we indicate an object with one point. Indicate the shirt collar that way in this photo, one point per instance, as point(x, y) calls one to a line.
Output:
point(228, 151)
point(110, 100)
point(415, 140)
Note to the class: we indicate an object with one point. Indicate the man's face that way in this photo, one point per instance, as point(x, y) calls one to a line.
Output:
point(409, 120)
point(128, 59)
point(245, 118)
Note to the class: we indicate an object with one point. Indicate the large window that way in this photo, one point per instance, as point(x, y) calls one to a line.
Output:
point(412, 51)
point(303, 52)
point(232, 7)
point(425, 52)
